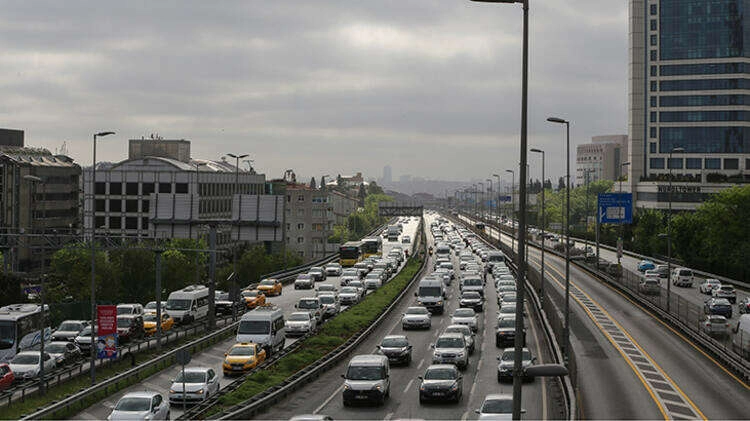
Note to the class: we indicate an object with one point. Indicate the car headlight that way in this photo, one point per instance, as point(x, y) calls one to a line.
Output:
point(404, 351)
point(440, 302)
point(172, 391)
point(199, 391)
point(454, 387)
point(461, 354)
point(377, 387)
point(346, 386)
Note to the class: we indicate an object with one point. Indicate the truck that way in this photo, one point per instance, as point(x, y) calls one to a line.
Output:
point(393, 232)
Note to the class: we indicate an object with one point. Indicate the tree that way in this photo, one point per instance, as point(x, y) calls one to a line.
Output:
point(373, 188)
point(548, 184)
point(312, 183)
point(10, 289)
point(561, 184)
point(136, 270)
point(71, 266)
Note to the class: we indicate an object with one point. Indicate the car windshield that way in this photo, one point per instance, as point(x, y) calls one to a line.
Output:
point(191, 377)
point(150, 317)
point(267, 282)
point(55, 348)
point(429, 291)
point(124, 310)
point(508, 355)
point(497, 406)
point(440, 374)
point(175, 304)
point(327, 299)
point(685, 272)
point(254, 327)
point(464, 330)
point(473, 282)
point(70, 327)
point(417, 310)
point(359, 372)
point(350, 290)
point(507, 309)
point(394, 343)
point(304, 276)
point(308, 304)
point(464, 312)
point(470, 294)
point(86, 331)
point(449, 343)
point(506, 322)
point(25, 359)
point(151, 305)
point(124, 322)
point(242, 350)
point(221, 296)
point(356, 284)
point(299, 317)
point(134, 404)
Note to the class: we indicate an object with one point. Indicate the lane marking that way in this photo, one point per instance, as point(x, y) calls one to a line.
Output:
point(328, 400)
point(465, 416)
point(388, 416)
point(420, 364)
point(408, 386)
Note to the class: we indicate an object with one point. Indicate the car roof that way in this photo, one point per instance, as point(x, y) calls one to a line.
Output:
point(242, 345)
point(451, 335)
point(395, 337)
point(197, 369)
point(369, 359)
point(306, 313)
point(498, 396)
point(140, 394)
point(441, 366)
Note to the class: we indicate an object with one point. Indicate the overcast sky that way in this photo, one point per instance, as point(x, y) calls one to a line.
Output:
point(431, 87)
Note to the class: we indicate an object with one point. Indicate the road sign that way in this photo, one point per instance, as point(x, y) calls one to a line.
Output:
point(615, 208)
point(506, 198)
point(182, 356)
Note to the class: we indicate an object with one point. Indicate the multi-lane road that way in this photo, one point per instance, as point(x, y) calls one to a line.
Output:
point(324, 395)
point(213, 357)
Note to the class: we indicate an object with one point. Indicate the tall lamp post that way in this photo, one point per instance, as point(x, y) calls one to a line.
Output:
point(37, 181)
point(198, 195)
point(669, 225)
point(489, 202)
point(544, 224)
point(619, 238)
point(517, 368)
point(586, 172)
point(566, 330)
point(93, 257)
point(497, 210)
point(480, 196)
point(512, 210)
point(233, 293)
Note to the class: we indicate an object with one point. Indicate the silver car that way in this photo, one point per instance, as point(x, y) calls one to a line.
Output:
point(331, 306)
point(466, 331)
point(715, 325)
point(140, 406)
point(416, 317)
point(195, 384)
point(450, 348)
point(467, 317)
point(349, 295)
point(300, 323)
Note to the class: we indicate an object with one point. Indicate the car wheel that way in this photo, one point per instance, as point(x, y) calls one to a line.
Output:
point(421, 400)
point(169, 416)
point(346, 403)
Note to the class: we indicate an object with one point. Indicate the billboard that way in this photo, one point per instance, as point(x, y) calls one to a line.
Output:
point(615, 208)
point(106, 325)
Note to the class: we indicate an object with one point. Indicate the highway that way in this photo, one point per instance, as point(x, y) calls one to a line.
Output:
point(214, 356)
point(631, 365)
point(324, 395)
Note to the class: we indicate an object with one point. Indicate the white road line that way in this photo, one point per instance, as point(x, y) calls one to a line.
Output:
point(408, 386)
point(86, 416)
point(328, 400)
point(465, 416)
point(388, 416)
point(420, 364)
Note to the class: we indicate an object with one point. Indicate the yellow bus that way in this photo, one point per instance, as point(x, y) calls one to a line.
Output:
point(350, 253)
point(372, 246)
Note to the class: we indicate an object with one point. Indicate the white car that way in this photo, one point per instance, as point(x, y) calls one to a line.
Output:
point(349, 295)
point(196, 385)
point(725, 291)
point(416, 317)
point(465, 316)
point(334, 269)
point(140, 406)
point(300, 323)
point(709, 285)
point(25, 365)
point(497, 407)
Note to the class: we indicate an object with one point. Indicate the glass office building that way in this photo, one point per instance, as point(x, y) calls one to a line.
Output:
point(689, 94)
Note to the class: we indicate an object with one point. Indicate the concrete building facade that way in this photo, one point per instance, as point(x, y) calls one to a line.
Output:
point(309, 221)
point(602, 158)
point(689, 95)
point(343, 205)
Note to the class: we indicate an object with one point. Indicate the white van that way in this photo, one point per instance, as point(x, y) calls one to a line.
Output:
point(367, 378)
point(443, 250)
point(495, 256)
point(741, 339)
point(188, 304)
point(264, 326)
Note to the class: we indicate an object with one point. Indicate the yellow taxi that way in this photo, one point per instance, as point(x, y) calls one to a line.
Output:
point(270, 286)
point(243, 357)
point(149, 323)
point(254, 298)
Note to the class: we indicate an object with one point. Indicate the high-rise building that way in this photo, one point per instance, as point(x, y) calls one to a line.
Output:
point(689, 94)
point(387, 175)
point(602, 158)
point(11, 138)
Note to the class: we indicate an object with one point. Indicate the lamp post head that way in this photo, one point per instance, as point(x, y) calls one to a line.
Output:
point(100, 134)
point(624, 164)
point(32, 178)
point(497, 1)
point(557, 120)
point(510, 171)
point(536, 150)
point(678, 149)
point(496, 175)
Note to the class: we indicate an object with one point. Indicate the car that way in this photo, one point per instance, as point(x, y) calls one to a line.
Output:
point(253, 298)
point(25, 364)
point(225, 305)
point(416, 317)
point(63, 352)
point(472, 283)
point(645, 265)
point(709, 285)
point(349, 295)
point(663, 271)
point(68, 330)
point(334, 269)
point(151, 307)
point(397, 348)
point(367, 378)
point(129, 327)
point(465, 316)
point(651, 274)
point(719, 306)
point(312, 305)
point(373, 281)
point(300, 323)
point(317, 273)
point(468, 335)
point(715, 325)
point(505, 333)
point(242, 357)
point(194, 384)
point(146, 405)
point(360, 288)
point(450, 348)
point(506, 361)
point(6, 376)
point(725, 291)
point(270, 287)
point(496, 407)
point(149, 323)
point(330, 302)
point(362, 269)
point(744, 306)
point(682, 277)
point(129, 309)
point(405, 239)
point(311, 417)
point(83, 340)
point(441, 382)
point(472, 300)
point(649, 286)
point(326, 289)
point(304, 281)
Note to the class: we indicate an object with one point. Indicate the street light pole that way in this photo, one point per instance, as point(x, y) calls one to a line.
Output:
point(544, 223)
point(512, 210)
point(566, 330)
point(198, 198)
point(35, 181)
point(619, 239)
point(488, 214)
point(497, 210)
point(480, 195)
point(93, 257)
point(669, 226)
point(233, 294)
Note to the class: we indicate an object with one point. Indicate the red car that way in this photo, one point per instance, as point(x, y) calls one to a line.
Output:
point(6, 376)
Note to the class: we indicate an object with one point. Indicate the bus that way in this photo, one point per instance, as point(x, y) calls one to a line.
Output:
point(350, 253)
point(372, 246)
point(21, 329)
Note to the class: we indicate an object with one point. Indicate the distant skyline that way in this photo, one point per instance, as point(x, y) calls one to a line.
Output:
point(429, 87)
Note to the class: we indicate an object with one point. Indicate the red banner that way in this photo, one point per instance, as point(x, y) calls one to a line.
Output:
point(106, 320)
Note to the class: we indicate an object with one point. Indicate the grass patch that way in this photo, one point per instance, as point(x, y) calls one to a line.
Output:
point(333, 333)
point(83, 381)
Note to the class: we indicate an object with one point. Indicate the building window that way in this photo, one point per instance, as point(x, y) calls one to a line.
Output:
point(131, 223)
point(289, 198)
point(100, 221)
point(652, 54)
point(653, 40)
point(653, 116)
point(300, 226)
point(300, 240)
point(131, 189)
point(652, 147)
point(693, 163)
point(181, 188)
point(115, 188)
point(675, 163)
point(704, 84)
point(652, 10)
point(318, 227)
point(731, 164)
point(165, 188)
point(144, 205)
point(747, 164)
point(652, 132)
point(653, 71)
point(300, 198)
point(653, 101)
point(101, 205)
point(100, 188)
point(712, 163)
point(300, 213)
point(653, 24)
point(319, 199)
point(653, 86)
point(144, 223)
point(115, 205)
point(115, 222)
point(288, 227)
point(147, 188)
point(704, 139)
point(131, 206)
point(656, 163)
point(301, 253)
